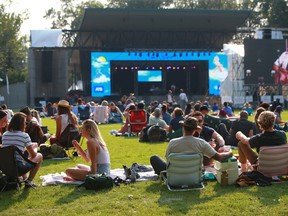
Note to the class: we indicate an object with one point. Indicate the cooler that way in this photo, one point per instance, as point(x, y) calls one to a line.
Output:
point(230, 165)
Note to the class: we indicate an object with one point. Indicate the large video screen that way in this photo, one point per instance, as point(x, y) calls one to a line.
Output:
point(101, 62)
point(149, 75)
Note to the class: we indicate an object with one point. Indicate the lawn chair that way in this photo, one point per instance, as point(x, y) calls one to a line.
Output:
point(9, 167)
point(273, 160)
point(137, 121)
point(184, 171)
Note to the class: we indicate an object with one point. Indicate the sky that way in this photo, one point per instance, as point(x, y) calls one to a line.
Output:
point(36, 10)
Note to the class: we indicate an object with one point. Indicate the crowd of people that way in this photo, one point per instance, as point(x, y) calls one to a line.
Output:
point(190, 127)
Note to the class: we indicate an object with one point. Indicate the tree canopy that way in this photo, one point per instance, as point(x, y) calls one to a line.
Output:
point(13, 50)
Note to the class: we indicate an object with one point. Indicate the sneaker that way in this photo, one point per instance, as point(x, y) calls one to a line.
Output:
point(30, 184)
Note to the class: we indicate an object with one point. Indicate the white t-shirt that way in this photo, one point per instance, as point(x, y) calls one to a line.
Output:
point(157, 121)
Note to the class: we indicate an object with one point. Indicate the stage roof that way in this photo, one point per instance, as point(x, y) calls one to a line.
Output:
point(162, 20)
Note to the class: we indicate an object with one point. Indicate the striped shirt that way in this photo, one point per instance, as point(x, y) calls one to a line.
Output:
point(17, 138)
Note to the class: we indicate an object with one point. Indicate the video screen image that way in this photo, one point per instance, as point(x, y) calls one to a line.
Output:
point(149, 75)
point(101, 83)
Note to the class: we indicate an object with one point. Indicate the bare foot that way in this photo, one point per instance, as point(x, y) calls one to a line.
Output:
point(68, 178)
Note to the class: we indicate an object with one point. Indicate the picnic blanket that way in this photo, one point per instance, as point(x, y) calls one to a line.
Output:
point(59, 178)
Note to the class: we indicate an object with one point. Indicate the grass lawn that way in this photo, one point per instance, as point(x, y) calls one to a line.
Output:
point(141, 198)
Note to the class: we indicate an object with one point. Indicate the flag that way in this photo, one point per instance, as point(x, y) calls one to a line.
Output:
point(7, 84)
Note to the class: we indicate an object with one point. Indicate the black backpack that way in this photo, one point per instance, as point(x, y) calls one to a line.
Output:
point(98, 182)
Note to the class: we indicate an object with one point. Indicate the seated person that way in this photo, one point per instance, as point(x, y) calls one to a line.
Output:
point(222, 114)
point(175, 128)
point(269, 137)
point(97, 153)
point(65, 117)
point(188, 143)
point(242, 124)
point(114, 114)
point(213, 121)
point(3, 123)
point(279, 123)
point(125, 127)
point(33, 128)
point(247, 107)
point(209, 135)
point(165, 114)
point(155, 119)
point(16, 136)
point(228, 109)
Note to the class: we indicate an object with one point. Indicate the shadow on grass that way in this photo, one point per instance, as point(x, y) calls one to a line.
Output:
point(182, 202)
point(77, 193)
point(12, 196)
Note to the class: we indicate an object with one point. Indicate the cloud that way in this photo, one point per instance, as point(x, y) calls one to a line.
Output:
point(101, 79)
point(155, 79)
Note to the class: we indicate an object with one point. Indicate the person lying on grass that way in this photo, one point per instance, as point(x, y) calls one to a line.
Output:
point(97, 153)
point(269, 137)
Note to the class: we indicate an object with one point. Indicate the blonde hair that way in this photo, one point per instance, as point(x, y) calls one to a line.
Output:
point(266, 120)
point(89, 124)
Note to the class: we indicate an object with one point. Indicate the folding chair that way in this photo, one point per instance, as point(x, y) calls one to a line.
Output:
point(68, 135)
point(273, 160)
point(184, 171)
point(83, 113)
point(137, 121)
point(9, 167)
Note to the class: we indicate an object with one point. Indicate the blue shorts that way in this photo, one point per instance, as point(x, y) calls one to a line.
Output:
point(24, 166)
point(103, 168)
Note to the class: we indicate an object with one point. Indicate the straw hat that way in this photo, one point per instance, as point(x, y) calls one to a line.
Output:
point(63, 103)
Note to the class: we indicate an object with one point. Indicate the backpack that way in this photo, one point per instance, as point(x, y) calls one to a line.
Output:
point(153, 133)
point(98, 182)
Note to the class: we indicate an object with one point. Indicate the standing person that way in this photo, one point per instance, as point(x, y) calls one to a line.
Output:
point(97, 154)
point(170, 98)
point(17, 137)
point(269, 137)
point(183, 99)
point(187, 143)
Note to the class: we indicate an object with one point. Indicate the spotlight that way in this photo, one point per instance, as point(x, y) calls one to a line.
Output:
point(160, 68)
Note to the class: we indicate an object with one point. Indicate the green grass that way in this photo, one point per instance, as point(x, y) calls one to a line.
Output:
point(141, 198)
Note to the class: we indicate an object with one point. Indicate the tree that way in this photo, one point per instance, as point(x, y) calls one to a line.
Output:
point(13, 50)
point(207, 4)
point(70, 14)
point(139, 3)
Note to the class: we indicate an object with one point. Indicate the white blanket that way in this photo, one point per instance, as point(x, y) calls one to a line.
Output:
point(58, 178)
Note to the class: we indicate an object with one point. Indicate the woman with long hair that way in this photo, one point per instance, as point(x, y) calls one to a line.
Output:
point(17, 137)
point(65, 117)
point(97, 153)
